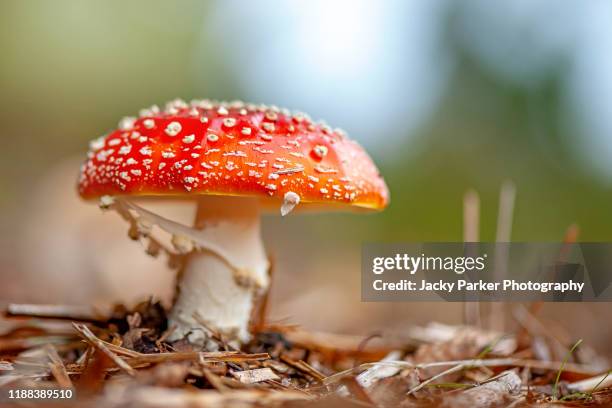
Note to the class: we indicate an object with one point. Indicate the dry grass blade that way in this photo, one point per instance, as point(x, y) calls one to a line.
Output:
point(451, 370)
point(471, 233)
point(201, 356)
point(99, 344)
point(369, 376)
point(507, 197)
point(57, 367)
point(214, 380)
point(304, 367)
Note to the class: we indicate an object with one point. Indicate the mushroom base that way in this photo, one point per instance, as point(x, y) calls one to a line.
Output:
point(219, 287)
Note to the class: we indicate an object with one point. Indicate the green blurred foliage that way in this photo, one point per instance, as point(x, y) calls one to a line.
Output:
point(70, 69)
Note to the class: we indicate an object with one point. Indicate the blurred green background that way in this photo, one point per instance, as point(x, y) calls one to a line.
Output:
point(446, 96)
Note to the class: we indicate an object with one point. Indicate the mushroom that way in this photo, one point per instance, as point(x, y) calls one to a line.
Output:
point(235, 161)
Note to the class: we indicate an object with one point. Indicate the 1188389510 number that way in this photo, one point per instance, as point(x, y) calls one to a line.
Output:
point(39, 394)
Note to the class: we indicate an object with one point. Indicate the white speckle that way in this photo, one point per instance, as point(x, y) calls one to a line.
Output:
point(248, 142)
point(136, 172)
point(124, 175)
point(271, 187)
point(322, 169)
point(222, 111)
point(195, 155)
point(188, 167)
point(320, 151)
point(125, 149)
point(148, 123)
point(229, 122)
point(290, 200)
point(246, 131)
point(204, 119)
point(273, 176)
point(268, 127)
point(291, 170)
point(114, 142)
point(146, 151)
point(161, 165)
point(173, 129)
point(97, 144)
point(131, 160)
point(278, 166)
point(168, 155)
point(189, 180)
point(265, 137)
point(143, 139)
point(178, 165)
point(237, 153)
point(211, 137)
point(324, 191)
point(313, 179)
point(127, 123)
point(189, 139)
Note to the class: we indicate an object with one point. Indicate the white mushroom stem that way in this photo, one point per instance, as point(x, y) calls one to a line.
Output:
point(224, 262)
point(221, 285)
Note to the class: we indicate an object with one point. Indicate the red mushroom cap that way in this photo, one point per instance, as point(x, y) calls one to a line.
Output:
point(231, 149)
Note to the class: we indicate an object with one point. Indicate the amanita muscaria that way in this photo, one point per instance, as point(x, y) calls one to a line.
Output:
point(235, 161)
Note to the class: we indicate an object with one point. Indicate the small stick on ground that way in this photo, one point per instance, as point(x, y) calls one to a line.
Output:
point(61, 312)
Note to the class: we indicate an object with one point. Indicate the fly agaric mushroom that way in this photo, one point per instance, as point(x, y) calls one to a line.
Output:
point(235, 161)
